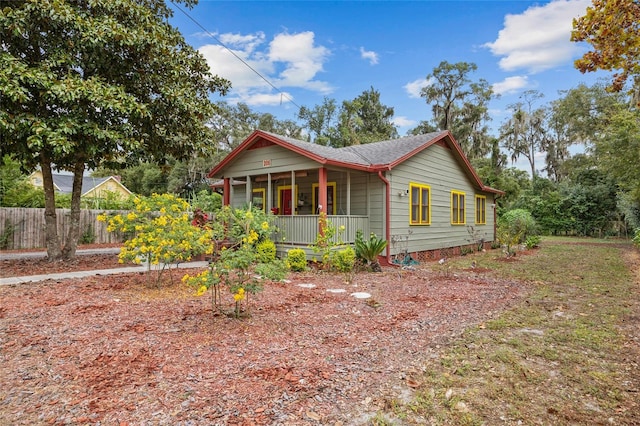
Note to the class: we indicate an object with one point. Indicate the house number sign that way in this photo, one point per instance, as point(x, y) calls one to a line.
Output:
point(266, 163)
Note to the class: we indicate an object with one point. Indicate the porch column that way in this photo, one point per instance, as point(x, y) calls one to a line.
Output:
point(226, 191)
point(348, 192)
point(322, 190)
point(294, 196)
point(368, 195)
point(249, 190)
point(322, 197)
point(269, 194)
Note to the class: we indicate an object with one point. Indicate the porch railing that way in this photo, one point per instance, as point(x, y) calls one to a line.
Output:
point(303, 229)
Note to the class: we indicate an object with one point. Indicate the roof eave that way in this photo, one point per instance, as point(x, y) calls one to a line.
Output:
point(422, 147)
point(447, 137)
point(293, 148)
point(493, 190)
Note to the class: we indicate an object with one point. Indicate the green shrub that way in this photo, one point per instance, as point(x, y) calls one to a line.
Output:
point(369, 250)
point(465, 251)
point(520, 223)
point(266, 251)
point(275, 270)
point(514, 227)
point(636, 238)
point(532, 241)
point(6, 238)
point(88, 236)
point(297, 260)
point(344, 259)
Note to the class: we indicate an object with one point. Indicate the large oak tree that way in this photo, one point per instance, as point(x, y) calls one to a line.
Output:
point(97, 83)
point(365, 119)
point(524, 134)
point(460, 105)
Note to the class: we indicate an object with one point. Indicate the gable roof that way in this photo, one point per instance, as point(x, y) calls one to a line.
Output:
point(64, 183)
point(371, 157)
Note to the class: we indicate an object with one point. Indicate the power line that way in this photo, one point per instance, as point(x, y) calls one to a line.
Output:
point(192, 19)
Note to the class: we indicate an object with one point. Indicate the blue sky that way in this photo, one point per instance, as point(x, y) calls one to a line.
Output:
point(338, 49)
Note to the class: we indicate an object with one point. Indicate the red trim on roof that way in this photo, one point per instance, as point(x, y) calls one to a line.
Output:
point(264, 138)
point(261, 139)
point(260, 144)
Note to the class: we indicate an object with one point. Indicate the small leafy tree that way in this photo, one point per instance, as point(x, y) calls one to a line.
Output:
point(369, 250)
point(162, 232)
point(207, 201)
point(327, 241)
point(514, 227)
point(238, 265)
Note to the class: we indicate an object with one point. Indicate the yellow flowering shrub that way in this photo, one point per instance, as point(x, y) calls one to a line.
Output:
point(161, 232)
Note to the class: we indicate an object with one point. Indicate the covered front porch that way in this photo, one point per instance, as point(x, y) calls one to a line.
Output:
point(301, 231)
point(298, 197)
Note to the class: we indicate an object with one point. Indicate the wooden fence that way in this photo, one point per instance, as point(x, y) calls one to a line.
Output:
point(23, 228)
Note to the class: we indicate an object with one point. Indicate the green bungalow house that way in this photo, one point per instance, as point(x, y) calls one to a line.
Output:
point(420, 193)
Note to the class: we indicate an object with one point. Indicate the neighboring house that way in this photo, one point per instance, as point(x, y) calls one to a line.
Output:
point(92, 187)
point(420, 193)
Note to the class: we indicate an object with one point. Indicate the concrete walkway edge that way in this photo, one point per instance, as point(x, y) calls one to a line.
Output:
point(83, 274)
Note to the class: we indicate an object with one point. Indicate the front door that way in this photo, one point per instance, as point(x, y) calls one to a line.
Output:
point(285, 206)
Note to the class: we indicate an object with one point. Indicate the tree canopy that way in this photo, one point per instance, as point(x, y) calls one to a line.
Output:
point(460, 105)
point(612, 28)
point(100, 83)
point(525, 132)
point(363, 119)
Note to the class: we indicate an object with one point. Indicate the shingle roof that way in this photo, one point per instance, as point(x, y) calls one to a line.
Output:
point(328, 152)
point(375, 153)
point(388, 152)
point(65, 182)
point(375, 156)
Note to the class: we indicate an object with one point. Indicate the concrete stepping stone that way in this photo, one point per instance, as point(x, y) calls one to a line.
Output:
point(361, 295)
point(307, 285)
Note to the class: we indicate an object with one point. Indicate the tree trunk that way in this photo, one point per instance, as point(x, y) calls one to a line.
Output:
point(51, 230)
point(71, 244)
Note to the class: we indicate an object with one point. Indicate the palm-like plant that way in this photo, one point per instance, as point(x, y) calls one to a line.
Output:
point(370, 250)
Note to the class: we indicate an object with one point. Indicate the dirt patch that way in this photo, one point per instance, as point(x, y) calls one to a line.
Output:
point(113, 350)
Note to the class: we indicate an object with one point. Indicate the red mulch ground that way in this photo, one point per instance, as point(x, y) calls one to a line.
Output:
point(112, 350)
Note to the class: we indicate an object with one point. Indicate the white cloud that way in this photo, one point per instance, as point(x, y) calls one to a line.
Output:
point(369, 55)
point(227, 63)
point(510, 85)
point(247, 42)
point(414, 87)
point(262, 99)
point(403, 121)
point(539, 38)
point(289, 60)
point(302, 59)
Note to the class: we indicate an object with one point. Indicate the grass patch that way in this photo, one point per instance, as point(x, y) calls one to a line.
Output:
point(557, 358)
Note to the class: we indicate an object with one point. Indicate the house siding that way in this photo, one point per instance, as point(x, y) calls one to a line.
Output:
point(304, 184)
point(281, 160)
point(437, 168)
point(434, 160)
point(377, 211)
